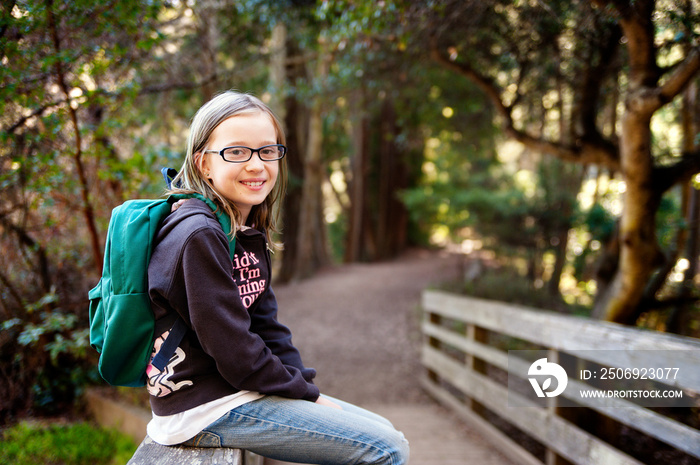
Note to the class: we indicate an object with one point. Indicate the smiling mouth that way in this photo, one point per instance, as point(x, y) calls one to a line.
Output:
point(253, 183)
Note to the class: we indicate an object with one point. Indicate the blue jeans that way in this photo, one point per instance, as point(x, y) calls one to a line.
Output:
point(304, 432)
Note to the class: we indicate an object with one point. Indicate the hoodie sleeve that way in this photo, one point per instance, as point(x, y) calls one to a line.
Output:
point(223, 326)
point(276, 335)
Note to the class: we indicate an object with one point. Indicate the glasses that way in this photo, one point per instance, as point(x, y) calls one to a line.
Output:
point(240, 154)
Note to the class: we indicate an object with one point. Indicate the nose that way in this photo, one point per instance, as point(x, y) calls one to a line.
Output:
point(255, 163)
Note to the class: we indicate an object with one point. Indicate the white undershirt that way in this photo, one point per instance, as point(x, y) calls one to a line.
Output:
point(174, 429)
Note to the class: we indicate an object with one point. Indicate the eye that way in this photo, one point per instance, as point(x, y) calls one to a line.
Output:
point(236, 152)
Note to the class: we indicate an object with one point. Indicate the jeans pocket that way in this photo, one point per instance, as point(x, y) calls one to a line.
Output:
point(204, 439)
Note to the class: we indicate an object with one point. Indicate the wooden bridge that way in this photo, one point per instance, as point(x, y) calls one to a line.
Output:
point(470, 370)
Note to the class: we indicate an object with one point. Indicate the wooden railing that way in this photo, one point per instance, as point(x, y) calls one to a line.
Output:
point(465, 352)
point(152, 453)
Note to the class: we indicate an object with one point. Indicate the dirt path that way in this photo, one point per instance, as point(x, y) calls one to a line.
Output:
point(358, 325)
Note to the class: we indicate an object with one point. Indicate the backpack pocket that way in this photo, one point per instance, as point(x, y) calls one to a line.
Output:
point(127, 340)
point(96, 314)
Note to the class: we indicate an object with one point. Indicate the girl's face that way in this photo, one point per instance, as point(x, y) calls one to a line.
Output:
point(249, 183)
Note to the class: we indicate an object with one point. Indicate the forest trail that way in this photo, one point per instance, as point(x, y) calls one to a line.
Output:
point(359, 326)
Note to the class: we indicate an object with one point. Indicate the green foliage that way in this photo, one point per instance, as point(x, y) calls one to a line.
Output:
point(518, 290)
point(670, 220)
point(70, 74)
point(600, 224)
point(463, 190)
point(46, 354)
point(73, 444)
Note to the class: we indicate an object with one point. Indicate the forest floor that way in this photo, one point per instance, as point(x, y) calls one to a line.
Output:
point(358, 325)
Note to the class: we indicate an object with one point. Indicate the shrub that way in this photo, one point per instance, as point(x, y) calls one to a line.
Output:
point(44, 361)
point(73, 444)
point(507, 285)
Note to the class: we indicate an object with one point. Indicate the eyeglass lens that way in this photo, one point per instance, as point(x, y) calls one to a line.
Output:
point(269, 153)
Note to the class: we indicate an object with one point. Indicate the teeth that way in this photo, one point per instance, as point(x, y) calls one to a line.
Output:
point(254, 184)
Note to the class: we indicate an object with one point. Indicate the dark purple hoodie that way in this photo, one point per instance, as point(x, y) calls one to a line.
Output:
point(235, 341)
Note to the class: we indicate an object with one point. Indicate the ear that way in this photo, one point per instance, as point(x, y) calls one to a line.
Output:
point(203, 164)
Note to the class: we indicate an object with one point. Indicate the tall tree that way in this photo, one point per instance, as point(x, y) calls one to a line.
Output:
point(379, 169)
point(311, 242)
point(303, 91)
point(378, 122)
point(461, 31)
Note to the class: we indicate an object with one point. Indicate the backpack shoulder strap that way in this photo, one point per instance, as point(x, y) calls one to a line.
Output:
point(169, 346)
point(223, 218)
point(169, 176)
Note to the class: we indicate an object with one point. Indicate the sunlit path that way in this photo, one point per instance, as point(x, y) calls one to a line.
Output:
point(358, 325)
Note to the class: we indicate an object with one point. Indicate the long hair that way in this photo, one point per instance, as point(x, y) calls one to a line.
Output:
point(191, 180)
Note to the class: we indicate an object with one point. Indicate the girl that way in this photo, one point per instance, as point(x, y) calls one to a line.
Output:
point(236, 379)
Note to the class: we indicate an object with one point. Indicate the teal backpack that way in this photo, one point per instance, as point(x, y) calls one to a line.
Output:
point(122, 324)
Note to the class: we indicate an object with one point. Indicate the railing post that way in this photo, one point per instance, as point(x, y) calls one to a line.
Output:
point(554, 404)
point(476, 334)
point(434, 319)
point(551, 457)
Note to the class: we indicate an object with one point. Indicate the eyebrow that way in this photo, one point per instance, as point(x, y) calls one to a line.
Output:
point(239, 143)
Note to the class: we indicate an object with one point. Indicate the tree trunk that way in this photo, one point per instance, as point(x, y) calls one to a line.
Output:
point(378, 221)
point(278, 71)
point(295, 122)
point(87, 210)
point(296, 128)
point(639, 250)
point(358, 167)
point(566, 188)
point(208, 34)
point(562, 239)
point(312, 242)
point(691, 126)
point(392, 217)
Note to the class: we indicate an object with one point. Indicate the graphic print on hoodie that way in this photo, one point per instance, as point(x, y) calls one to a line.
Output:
point(248, 277)
point(159, 384)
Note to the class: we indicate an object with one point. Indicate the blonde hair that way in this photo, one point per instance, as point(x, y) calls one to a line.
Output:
point(190, 178)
